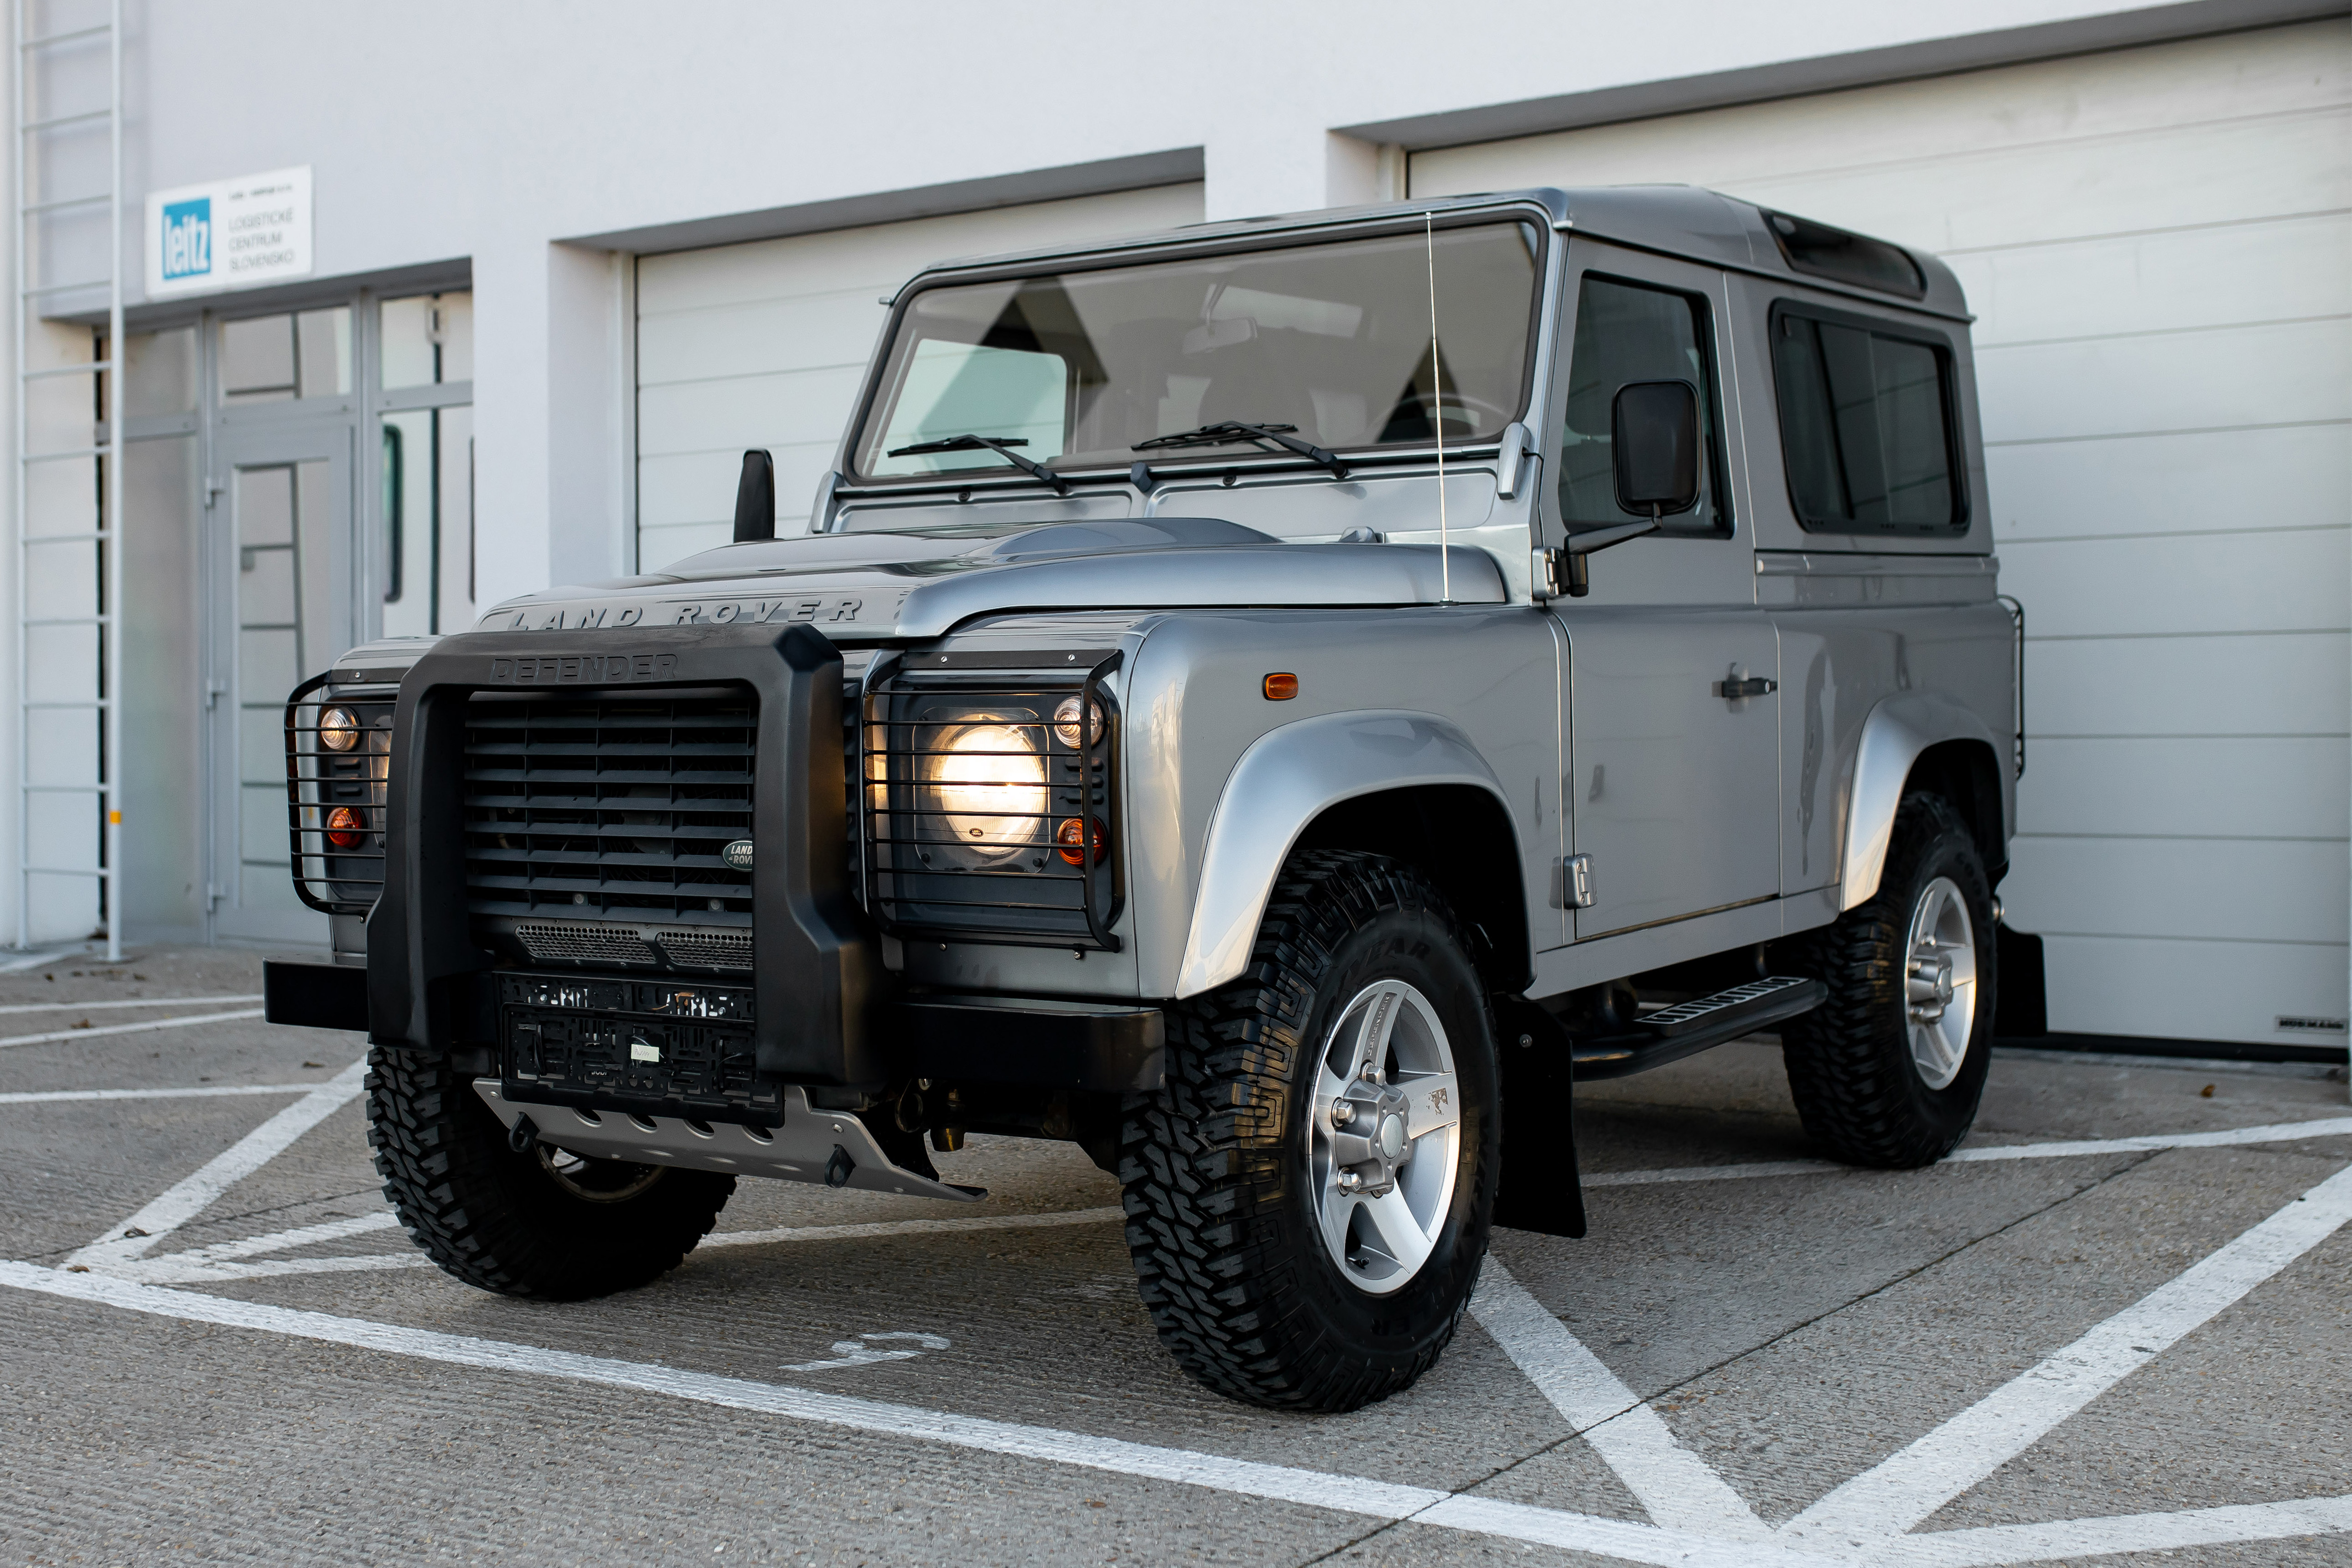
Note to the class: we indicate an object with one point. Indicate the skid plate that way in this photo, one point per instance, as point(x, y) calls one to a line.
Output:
point(804, 1149)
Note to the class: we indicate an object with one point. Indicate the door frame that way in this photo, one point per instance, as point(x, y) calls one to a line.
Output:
point(280, 442)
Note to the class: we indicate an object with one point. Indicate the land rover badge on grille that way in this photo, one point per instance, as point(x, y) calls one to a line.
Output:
point(738, 854)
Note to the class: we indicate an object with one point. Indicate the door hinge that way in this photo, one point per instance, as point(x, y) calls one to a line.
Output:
point(1576, 883)
point(214, 691)
point(213, 489)
point(212, 895)
point(1731, 689)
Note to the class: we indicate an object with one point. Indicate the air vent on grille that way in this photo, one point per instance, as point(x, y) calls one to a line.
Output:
point(577, 941)
point(584, 809)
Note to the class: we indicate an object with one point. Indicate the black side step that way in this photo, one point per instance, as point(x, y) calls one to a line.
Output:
point(1673, 1033)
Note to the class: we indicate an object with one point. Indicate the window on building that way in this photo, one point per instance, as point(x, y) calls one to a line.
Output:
point(274, 358)
point(425, 339)
point(1865, 425)
point(1628, 333)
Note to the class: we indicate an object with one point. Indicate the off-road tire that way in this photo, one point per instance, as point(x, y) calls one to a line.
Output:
point(1220, 1205)
point(1848, 1060)
point(495, 1218)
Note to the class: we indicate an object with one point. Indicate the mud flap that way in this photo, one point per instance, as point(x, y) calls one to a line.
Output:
point(1540, 1189)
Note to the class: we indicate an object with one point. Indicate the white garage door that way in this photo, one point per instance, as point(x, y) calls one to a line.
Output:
point(763, 344)
point(2158, 245)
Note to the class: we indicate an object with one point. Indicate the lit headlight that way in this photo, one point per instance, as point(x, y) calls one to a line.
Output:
point(986, 780)
point(338, 730)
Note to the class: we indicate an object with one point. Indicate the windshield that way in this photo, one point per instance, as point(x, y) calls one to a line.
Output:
point(1328, 343)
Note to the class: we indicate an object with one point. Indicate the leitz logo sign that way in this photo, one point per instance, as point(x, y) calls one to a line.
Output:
point(188, 239)
point(229, 234)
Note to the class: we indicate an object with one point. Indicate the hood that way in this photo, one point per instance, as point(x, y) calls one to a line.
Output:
point(922, 582)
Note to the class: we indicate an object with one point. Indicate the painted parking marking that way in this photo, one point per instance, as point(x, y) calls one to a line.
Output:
point(200, 1092)
point(1632, 1542)
point(194, 1193)
point(1900, 1491)
point(1678, 1488)
point(861, 1351)
point(140, 1026)
point(106, 1007)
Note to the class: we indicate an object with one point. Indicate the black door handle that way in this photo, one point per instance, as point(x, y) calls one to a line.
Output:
point(1754, 686)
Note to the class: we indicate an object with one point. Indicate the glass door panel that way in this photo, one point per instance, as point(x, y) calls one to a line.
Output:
point(283, 613)
point(428, 463)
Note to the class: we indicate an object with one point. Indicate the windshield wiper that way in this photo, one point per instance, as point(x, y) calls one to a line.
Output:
point(988, 444)
point(1228, 431)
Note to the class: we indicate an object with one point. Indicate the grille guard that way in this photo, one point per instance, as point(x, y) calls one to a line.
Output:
point(816, 974)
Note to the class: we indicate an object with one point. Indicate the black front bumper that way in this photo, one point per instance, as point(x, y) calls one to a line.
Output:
point(822, 1015)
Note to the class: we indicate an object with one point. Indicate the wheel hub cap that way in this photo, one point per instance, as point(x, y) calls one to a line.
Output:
point(1383, 1136)
point(1940, 983)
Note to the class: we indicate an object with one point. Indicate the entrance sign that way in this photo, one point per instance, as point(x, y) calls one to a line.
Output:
point(229, 234)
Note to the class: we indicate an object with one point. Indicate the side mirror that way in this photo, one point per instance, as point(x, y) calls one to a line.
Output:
point(1653, 432)
point(755, 498)
point(1654, 438)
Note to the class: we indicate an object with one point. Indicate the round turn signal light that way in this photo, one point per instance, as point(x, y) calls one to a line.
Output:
point(345, 827)
point(1069, 837)
point(338, 730)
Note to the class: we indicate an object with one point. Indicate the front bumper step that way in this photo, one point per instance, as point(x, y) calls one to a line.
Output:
point(1687, 1028)
point(832, 1148)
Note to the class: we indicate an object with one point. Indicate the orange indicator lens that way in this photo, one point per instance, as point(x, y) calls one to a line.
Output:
point(1069, 836)
point(344, 827)
point(1281, 687)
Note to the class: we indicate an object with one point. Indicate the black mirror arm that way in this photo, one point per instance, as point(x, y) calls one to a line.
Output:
point(1575, 576)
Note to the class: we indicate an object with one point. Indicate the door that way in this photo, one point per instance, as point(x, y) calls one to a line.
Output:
point(1673, 752)
point(283, 597)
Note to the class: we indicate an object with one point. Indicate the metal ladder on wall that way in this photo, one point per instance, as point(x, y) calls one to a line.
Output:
point(80, 590)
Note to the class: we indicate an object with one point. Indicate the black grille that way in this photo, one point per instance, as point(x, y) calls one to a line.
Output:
point(592, 808)
point(334, 794)
point(979, 784)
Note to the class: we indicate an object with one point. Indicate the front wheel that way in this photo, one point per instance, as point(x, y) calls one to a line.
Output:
point(1308, 1196)
point(541, 1222)
point(1888, 1070)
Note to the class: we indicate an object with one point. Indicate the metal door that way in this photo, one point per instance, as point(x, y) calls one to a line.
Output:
point(283, 598)
point(1672, 783)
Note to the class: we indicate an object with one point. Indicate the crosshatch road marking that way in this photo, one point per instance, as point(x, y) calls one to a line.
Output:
point(1347, 1494)
point(1702, 1520)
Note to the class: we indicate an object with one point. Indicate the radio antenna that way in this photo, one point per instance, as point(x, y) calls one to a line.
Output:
point(1437, 417)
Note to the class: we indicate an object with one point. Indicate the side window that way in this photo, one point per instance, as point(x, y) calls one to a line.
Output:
point(1631, 332)
point(1865, 425)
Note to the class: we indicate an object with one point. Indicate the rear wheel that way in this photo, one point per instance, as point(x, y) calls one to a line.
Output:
point(546, 1222)
point(1888, 1070)
point(1308, 1196)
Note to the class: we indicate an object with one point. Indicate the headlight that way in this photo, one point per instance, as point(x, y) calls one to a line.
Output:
point(338, 730)
point(985, 780)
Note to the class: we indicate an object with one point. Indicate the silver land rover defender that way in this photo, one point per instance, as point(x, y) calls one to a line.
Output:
point(1196, 727)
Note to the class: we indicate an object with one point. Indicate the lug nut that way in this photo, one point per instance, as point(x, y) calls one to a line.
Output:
point(1342, 1113)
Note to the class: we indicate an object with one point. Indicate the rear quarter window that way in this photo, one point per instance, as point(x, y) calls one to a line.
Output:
point(1866, 424)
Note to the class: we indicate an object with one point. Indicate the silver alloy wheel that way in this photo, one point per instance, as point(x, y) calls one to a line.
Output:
point(1383, 1136)
point(596, 1181)
point(1940, 983)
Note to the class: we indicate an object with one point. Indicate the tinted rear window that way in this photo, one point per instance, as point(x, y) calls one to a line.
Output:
point(1865, 425)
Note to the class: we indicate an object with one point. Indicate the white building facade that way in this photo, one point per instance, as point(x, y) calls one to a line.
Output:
point(541, 272)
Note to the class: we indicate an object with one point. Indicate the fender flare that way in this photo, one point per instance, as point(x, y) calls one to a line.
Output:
point(1285, 779)
point(1898, 731)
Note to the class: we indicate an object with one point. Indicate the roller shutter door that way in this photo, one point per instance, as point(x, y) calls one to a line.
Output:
point(2158, 245)
point(762, 345)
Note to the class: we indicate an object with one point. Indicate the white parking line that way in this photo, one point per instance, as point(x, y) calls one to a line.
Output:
point(1904, 1489)
point(1348, 1494)
point(202, 1091)
point(2270, 1132)
point(1680, 1489)
point(2002, 1543)
point(128, 1028)
point(103, 1006)
point(189, 1196)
